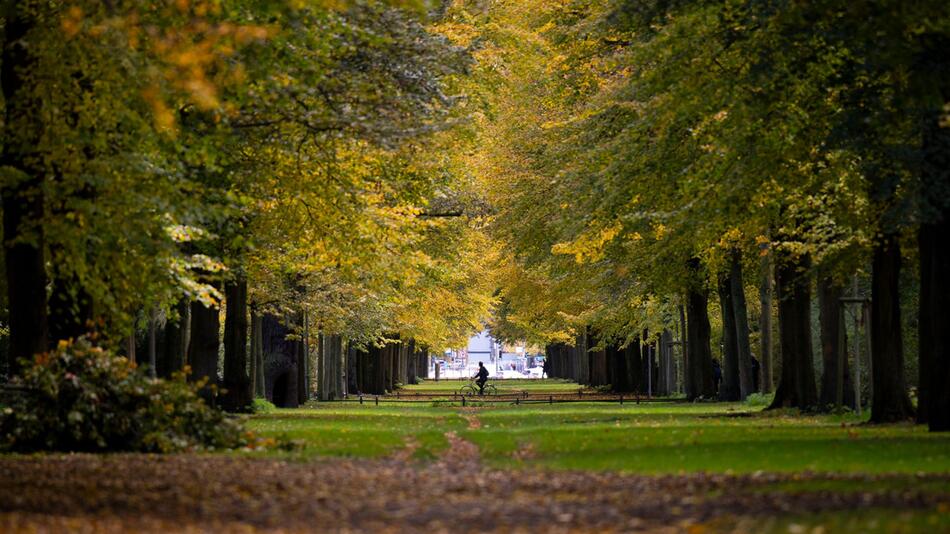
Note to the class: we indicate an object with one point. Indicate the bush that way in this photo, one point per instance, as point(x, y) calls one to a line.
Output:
point(260, 405)
point(759, 399)
point(80, 397)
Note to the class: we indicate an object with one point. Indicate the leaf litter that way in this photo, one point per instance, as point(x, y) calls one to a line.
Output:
point(456, 493)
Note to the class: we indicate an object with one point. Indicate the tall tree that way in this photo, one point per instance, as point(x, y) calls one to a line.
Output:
point(22, 190)
point(796, 388)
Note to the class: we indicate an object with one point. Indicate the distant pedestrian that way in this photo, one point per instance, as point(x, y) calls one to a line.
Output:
point(717, 374)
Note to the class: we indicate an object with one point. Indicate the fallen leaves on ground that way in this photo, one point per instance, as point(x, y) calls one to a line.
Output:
point(145, 493)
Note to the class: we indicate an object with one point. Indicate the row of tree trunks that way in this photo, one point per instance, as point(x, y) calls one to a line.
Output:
point(417, 365)
point(373, 371)
point(581, 358)
point(331, 366)
point(560, 360)
point(379, 370)
point(598, 367)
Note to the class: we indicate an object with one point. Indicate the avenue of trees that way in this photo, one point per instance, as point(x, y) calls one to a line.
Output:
point(274, 171)
point(237, 185)
point(650, 162)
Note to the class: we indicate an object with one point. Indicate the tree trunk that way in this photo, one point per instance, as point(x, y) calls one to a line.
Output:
point(280, 362)
point(935, 367)
point(634, 366)
point(173, 344)
point(22, 196)
point(303, 359)
point(765, 326)
point(616, 360)
point(203, 349)
point(255, 369)
point(669, 369)
point(741, 320)
point(583, 375)
point(699, 361)
point(796, 387)
point(729, 388)
point(152, 343)
point(237, 396)
point(833, 340)
point(926, 310)
point(338, 349)
point(257, 353)
point(934, 241)
point(352, 369)
point(684, 347)
point(130, 347)
point(411, 367)
point(322, 352)
point(890, 401)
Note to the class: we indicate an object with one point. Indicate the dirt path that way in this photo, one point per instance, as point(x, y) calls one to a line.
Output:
point(121, 493)
point(473, 422)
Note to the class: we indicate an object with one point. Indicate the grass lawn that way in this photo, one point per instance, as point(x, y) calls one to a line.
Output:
point(653, 438)
point(511, 385)
point(362, 431)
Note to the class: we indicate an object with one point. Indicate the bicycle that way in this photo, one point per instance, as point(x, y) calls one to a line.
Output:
point(471, 389)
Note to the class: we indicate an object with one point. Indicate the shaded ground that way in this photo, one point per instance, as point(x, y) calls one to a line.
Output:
point(454, 494)
point(400, 467)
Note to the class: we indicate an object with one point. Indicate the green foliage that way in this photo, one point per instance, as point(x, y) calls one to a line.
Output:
point(759, 399)
point(80, 397)
point(260, 405)
point(616, 140)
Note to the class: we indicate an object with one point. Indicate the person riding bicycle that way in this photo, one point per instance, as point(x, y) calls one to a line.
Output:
point(481, 377)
